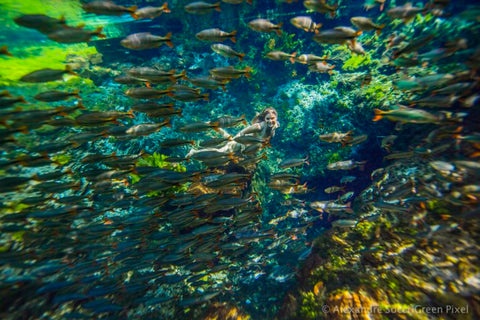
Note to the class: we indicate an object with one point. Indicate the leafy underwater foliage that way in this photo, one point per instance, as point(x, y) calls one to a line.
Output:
point(158, 160)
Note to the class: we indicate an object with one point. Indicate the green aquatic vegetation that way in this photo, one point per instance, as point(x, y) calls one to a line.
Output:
point(365, 229)
point(36, 58)
point(310, 307)
point(71, 9)
point(62, 159)
point(356, 61)
point(158, 160)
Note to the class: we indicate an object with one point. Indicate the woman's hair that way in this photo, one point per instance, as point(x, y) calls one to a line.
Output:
point(261, 116)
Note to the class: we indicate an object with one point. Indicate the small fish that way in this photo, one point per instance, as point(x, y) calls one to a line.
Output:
point(46, 75)
point(109, 8)
point(347, 179)
point(152, 12)
point(334, 189)
point(289, 163)
point(346, 165)
point(366, 24)
point(169, 143)
point(321, 67)
point(231, 72)
point(146, 40)
point(310, 58)
point(336, 137)
point(237, 1)
point(55, 95)
point(75, 35)
point(215, 142)
point(208, 82)
point(200, 7)
point(227, 51)
point(345, 223)
point(144, 129)
point(263, 25)
point(8, 101)
point(40, 22)
point(281, 56)
point(357, 48)
point(321, 6)
point(405, 12)
point(216, 34)
point(305, 23)
point(413, 45)
point(229, 121)
point(338, 35)
point(198, 127)
point(146, 93)
point(406, 115)
point(188, 95)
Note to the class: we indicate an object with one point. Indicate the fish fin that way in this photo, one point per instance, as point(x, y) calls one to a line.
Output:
point(250, 2)
point(378, 114)
point(292, 59)
point(68, 69)
point(233, 33)
point(247, 72)
point(382, 6)
point(98, 32)
point(132, 10)
point(165, 8)
point(4, 50)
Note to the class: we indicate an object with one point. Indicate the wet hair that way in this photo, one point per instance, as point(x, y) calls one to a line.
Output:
point(261, 117)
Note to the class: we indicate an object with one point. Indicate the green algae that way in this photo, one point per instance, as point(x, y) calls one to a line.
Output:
point(356, 61)
point(158, 160)
point(36, 58)
point(71, 9)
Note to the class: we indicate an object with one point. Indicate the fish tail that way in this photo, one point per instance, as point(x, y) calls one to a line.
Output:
point(382, 6)
point(165, 8)
point(278, 31)
point(167, 39)
point(132, 10)
point(233, 33)
point(98, 32)
point(205, 97)
point(247, 72)
point(184, 75)
point(379, 29)
point(224, 88)
point(292, 58)
point(68, 69)
point(4, 50)
point(250, 2)
point(130, 114)
point(240, 56)
point(217, 6)
point(378, 114)
point(334, 11)
point(75, 93)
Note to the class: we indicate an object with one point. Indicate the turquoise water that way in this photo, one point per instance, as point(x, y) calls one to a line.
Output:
point(367, 173)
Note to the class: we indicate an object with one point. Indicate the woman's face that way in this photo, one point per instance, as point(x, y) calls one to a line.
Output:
point(271, 120)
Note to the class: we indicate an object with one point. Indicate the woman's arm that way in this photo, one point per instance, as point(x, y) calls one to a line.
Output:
point(257, 127)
